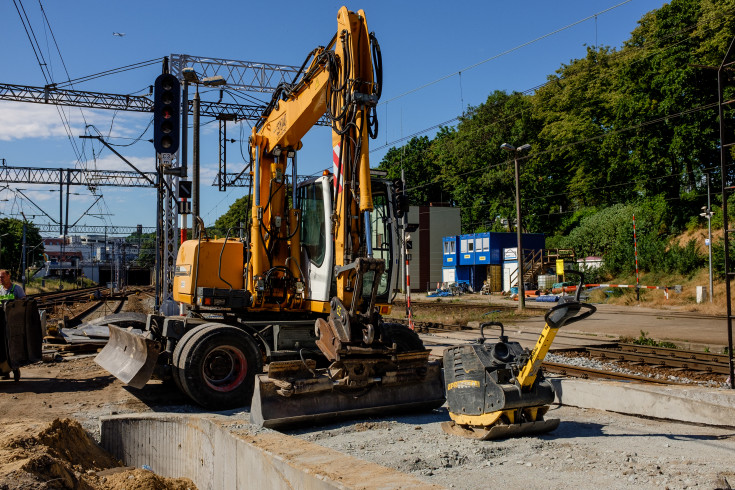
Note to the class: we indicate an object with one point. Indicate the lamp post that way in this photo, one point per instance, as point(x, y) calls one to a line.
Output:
point(707, 213)
point(190, 76)
point(28, 253)
point(521, 289)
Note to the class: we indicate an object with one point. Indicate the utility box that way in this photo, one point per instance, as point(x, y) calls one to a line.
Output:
point(701, 294)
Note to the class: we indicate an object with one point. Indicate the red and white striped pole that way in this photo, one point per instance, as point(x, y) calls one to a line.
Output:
point(635, 249)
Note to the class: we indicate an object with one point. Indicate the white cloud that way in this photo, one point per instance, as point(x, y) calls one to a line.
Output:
point(21, 120)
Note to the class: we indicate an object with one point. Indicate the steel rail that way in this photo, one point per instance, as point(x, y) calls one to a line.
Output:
point(589, 373)
point(657, 360)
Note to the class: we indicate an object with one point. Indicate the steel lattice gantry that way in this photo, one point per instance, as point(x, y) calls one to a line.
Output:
point(98, 100)
point(97, 230)
point(74, 176)
point(242, 75)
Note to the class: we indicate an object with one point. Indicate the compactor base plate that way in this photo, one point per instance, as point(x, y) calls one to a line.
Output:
point(500, 431)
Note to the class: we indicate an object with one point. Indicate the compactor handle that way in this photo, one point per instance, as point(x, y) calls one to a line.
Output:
point(568, 309)
point(482, 338)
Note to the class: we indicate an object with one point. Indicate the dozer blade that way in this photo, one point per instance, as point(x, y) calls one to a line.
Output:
point(270, 409)
point(500, 431)
point(129, 357)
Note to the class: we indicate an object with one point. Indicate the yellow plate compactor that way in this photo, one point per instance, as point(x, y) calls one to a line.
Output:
point(497, 390)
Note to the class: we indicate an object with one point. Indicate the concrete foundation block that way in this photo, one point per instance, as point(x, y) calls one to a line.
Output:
point(218, 453)
point(681, 403)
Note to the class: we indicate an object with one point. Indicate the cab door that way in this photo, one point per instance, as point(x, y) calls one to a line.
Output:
point(317, 242)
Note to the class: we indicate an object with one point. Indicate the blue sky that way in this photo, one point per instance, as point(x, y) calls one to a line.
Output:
point(424, 45)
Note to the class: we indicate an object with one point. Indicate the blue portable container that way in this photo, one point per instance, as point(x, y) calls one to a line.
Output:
point(482, 248)
point(467, 249)
point(450, 251)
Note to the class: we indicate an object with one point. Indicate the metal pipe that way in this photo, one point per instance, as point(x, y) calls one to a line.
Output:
point(195, 163)
point(184, 154)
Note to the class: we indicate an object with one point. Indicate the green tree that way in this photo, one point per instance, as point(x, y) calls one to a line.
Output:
point(11, 242)
point(239, 212)
point(415, 158)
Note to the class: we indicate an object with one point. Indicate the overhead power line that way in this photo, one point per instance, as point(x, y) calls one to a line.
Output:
point(507, 51)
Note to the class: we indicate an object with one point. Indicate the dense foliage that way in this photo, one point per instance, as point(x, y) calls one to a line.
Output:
point(11, 246)
point(617, 133)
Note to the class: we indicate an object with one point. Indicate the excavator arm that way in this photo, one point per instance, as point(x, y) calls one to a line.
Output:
point(340, 82)
point(374, 367)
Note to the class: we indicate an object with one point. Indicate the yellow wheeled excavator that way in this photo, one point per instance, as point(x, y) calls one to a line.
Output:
point(291, 315)
point(497, 390)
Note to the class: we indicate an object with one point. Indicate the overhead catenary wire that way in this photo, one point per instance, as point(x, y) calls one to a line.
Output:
point(506, 52)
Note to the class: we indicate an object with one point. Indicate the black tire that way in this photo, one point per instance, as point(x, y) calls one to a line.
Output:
point(215, 365)
point(406, 340)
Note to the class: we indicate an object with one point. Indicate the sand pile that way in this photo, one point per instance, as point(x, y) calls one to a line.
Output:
point(62, 455)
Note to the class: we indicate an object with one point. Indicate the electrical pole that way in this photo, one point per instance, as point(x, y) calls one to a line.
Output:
point(519, 233)
point(23, 248)
point(519, 236)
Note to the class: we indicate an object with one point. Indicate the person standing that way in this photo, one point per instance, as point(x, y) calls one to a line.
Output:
point(8, 290)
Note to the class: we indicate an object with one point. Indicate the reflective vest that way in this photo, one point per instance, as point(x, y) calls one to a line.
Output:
point(8, 294)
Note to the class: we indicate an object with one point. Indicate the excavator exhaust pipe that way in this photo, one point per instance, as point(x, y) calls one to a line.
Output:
point(273, 410)
point(129, 357)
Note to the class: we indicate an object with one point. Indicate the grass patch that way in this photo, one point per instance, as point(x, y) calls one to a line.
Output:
point(36, 286)
point(644, 339)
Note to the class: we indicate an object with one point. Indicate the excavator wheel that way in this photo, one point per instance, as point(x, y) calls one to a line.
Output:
point(215, 365)
point(406, 340)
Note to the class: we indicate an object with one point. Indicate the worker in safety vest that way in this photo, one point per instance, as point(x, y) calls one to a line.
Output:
point(8, 290)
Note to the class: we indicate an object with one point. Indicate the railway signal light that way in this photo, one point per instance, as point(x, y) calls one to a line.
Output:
point(402, 203)
point(166, 113)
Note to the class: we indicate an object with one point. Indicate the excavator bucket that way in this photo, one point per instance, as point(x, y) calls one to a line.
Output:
point(272, 407)
point(129, 357)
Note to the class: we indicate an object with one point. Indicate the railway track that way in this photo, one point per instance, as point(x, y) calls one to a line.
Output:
point(591, 373)
point(55, 298)
point(656, 364)
point(701, 362)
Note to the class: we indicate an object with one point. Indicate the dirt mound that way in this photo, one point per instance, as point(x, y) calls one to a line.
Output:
point(61, 455)
point(138, 479)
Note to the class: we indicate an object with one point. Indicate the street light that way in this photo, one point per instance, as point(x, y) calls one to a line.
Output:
point(521, 290)
point(190, 76)
point(708, 214)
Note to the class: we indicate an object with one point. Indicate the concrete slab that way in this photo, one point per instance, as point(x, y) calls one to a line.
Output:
point(681, 403)
point(218, 452)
